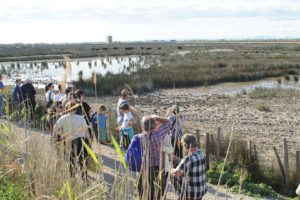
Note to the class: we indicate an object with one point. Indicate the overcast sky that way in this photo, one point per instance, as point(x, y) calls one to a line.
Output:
point(54, 21)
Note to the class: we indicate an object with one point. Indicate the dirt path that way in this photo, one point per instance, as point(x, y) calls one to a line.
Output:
point(113, 169)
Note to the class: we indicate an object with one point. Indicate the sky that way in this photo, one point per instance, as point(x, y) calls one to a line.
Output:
point(61, 21)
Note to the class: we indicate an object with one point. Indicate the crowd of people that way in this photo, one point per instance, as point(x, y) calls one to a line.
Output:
point(168, 154)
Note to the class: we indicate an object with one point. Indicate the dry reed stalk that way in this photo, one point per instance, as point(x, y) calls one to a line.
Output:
point(224, 163)
point(67, 71)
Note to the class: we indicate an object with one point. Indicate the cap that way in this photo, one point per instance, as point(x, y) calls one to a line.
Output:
point(175, 109)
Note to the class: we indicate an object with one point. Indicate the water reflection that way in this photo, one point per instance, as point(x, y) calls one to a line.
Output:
point(42, 72)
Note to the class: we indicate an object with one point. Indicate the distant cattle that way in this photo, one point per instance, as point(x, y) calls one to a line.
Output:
point(105, 49)
point(179, 47)
point(129, 48)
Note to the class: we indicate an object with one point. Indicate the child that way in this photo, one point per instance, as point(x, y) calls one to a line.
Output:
point(101, 121)
point(127, 132)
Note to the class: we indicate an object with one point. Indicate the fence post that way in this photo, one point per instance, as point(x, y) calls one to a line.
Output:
point(250, 155)
point(212, 144)
point(280, 164)
point(207, 151)
point(298, 166)
point(286, 163)
point(218, 143)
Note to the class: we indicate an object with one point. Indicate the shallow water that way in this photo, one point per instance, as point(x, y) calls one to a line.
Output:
point(54, 71)
point(42, 72)
point(240, 87)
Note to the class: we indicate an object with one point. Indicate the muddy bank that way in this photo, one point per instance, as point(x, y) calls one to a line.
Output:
point(207, 112)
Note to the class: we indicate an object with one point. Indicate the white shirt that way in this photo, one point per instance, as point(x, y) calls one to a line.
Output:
point(73, 124)
point(58, 97)
point(126, 119)
point(51, 93)
point(168, 150)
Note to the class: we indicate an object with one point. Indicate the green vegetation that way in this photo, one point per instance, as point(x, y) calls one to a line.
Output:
point(257, 177)
point(233, 179)
point(202, 66)
point(13, 188)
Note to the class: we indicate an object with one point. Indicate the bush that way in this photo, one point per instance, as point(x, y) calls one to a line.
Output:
point(287, 77)
point(232, 177)
point(264, 108)
point(296, 78)
point(12, 189)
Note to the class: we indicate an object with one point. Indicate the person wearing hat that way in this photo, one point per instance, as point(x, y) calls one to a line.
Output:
point(123, 100)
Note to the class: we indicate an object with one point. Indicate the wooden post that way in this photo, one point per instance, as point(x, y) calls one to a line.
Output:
point(207, 150)
point(212, 144)
point(286, 163)
point(280, 164)
point(250, 155)
point(198, 137)
point(218, 143)
point(298, 166)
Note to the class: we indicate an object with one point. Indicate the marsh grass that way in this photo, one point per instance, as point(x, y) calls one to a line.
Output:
point(256, 169)
point(262, 93)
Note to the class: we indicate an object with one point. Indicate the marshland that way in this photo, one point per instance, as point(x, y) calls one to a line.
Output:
point(242, 93)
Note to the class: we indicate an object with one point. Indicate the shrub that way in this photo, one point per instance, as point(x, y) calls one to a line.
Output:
point(287, 77)
point(264, 108)
point(279, 81)
point(12, 189)
point(296, 78)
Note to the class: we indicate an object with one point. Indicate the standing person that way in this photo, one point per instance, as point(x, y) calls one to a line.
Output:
point(74, 129)
point(49, 94)
point(101, 123)
point(1, 97)
point(64, 98)
point(127, 132)
point(176, 129)
point(191, 171)
point(84, 109)
point(28, 94)
point(17, 98)
point(155, 128)
point(60, 94)
point(123, 100)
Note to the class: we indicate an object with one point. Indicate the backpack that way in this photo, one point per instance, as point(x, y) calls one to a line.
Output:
point(134, 154)
point(50, 101)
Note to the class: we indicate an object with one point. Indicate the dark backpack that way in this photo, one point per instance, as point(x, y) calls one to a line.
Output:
point(49, 102)
point(134, 154)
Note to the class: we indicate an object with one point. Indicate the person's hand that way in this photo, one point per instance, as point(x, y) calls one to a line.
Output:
point(176, 172)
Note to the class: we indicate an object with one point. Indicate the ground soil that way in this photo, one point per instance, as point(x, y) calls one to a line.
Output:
point(208, 112)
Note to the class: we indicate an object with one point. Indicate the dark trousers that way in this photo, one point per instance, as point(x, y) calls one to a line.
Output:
point(156, 188)
point(78, 151)
point(177, 147)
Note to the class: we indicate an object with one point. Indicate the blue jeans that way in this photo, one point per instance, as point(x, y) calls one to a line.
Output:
point(1, 106)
